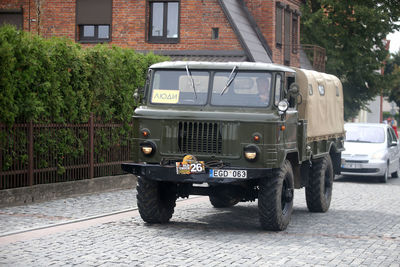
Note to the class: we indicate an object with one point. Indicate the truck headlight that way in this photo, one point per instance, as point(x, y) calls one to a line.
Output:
point(148, 148)
point(251, 152)
point(250, 155)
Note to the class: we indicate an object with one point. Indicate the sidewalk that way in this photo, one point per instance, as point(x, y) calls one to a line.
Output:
point(56, 211)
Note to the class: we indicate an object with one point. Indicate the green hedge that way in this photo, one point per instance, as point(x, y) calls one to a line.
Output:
point(56, 80)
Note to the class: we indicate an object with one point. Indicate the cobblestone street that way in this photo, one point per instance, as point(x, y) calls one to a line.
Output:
point(362, 227)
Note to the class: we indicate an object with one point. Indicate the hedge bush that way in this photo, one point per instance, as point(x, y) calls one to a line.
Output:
point(56, 80)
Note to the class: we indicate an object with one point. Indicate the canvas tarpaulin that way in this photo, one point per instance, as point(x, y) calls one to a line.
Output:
point(322, 103)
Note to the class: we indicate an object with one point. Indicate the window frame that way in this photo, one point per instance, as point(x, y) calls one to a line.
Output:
point(295, 33)
point(287, 25)
point(279, 24)
point(278, 97)
point(93, 13)
point(95, 38)
point(163, 39)
point(15, 12)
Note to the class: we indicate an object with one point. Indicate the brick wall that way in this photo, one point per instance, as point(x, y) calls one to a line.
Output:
point(197, 18)
point(264, 14)
point(130, 18)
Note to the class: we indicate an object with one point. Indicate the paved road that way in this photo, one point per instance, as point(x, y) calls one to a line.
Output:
point(361, 228)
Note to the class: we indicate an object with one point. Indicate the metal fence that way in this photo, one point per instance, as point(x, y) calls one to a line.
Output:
point(32, 153)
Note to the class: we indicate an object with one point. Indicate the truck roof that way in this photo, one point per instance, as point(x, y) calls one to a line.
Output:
point(221, 65)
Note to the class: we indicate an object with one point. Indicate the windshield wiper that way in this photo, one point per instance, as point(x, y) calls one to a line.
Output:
point(232, 76)
point(189, 74)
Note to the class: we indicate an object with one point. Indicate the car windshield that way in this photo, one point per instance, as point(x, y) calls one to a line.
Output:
point(365, 134)
point(247, 89)
point(180, 87)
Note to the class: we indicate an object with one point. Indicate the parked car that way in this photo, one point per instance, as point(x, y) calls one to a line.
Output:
point(371, 149)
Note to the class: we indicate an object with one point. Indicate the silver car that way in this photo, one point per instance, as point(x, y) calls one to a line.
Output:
point(371, 149)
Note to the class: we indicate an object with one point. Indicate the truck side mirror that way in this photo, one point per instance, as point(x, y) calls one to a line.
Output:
point(294, 90)
point(138, 93)
point(293, 93)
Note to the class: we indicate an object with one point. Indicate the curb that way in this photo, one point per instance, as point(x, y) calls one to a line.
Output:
point(46, 192)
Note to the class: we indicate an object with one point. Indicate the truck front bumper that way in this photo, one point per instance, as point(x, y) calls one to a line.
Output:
point(168, 173)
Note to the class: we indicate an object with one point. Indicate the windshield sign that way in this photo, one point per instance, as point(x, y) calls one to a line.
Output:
point(365, 134)
point(230, 88)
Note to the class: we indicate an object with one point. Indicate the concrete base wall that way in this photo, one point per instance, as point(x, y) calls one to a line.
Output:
point(45, 192)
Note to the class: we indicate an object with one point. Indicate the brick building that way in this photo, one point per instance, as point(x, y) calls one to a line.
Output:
point(219, 30)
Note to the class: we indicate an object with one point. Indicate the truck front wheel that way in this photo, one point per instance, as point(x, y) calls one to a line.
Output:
point(319, 188)
point(275, 198)
point(155, 200)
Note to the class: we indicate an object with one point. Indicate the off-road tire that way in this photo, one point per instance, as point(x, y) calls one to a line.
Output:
point(320, 184)
point(223, 201)
point(275, 198)
point(156, 200)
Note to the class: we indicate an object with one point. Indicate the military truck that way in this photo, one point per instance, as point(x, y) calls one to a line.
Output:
point(203, 129)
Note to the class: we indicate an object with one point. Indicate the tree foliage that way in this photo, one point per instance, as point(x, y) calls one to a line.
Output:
point(392, 78)
point(353, 33)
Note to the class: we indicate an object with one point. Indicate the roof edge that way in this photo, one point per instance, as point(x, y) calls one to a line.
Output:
point(236, 30)
point(254, 24)
point(226, 53)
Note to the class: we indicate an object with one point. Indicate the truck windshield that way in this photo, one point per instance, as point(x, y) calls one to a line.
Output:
point(248, 89)
point(176, 87)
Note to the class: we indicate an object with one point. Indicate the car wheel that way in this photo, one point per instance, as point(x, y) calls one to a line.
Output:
point(396, 173)
point(275, 198)
point(155, 200)
point(384, 178)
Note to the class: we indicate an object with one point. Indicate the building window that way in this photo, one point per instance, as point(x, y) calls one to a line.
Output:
point(295, 33)
point(93, 19)
point(286, 37)
point(12, 17)
point(96, 33)
point(164, 22)
point(278, 24)
point(215, 33)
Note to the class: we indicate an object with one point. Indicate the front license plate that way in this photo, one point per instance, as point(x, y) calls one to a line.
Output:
point(239, 174)
point(351, 166)
point(190, 168)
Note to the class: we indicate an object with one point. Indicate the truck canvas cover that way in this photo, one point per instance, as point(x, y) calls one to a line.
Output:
point(322, 103)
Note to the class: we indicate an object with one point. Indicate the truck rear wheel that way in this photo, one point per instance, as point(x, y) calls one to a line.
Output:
point(275, 198)
point(155, 200)
point(319, 188)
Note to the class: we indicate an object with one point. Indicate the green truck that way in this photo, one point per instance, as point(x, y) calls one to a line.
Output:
point(236, 131)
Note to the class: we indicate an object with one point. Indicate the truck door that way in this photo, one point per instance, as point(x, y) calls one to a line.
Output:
point(290, 121)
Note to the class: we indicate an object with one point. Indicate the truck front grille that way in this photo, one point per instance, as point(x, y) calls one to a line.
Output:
point(200, 137)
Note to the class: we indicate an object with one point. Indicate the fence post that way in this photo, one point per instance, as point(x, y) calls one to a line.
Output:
point(91, 146)
point(30, 153)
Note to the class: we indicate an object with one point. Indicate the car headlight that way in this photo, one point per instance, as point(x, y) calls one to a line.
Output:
point(378, 155)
